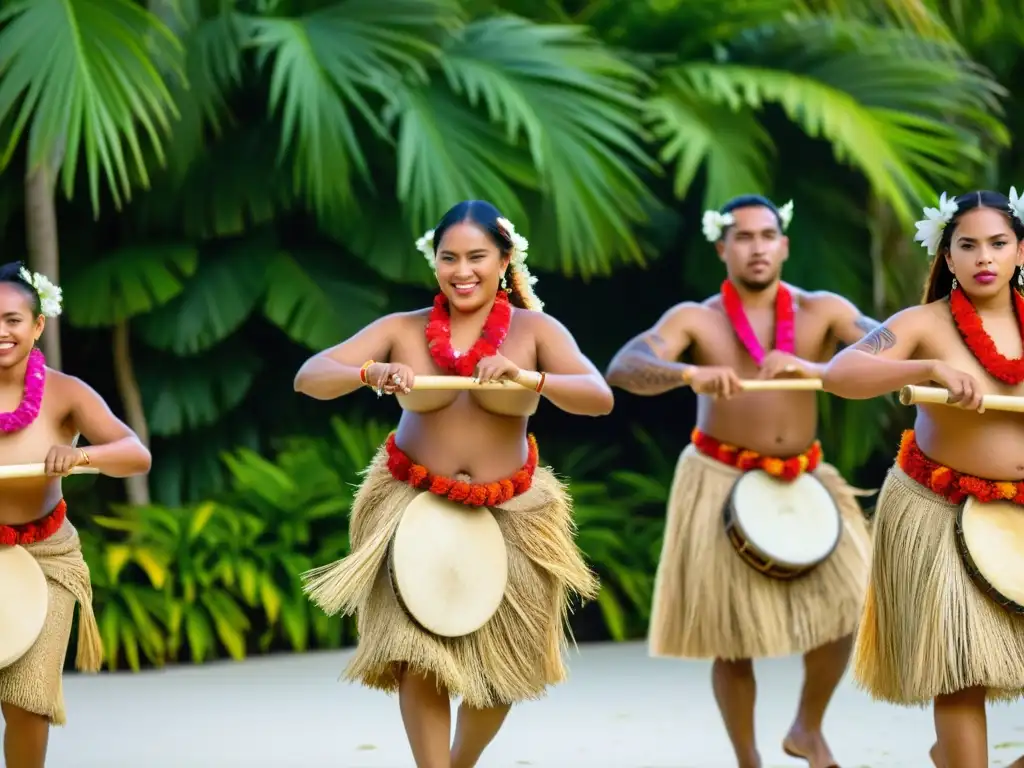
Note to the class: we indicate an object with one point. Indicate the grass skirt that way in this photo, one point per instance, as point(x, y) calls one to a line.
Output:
point(518, 653)
point(709, 603)
point(927, 629)
point(34, 682)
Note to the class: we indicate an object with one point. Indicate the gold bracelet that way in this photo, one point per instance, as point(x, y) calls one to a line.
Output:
point(364, 369)
point(687, 375)
point(85, 457)
point(540, 383)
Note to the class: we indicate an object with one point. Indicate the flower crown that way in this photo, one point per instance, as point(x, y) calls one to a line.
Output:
point(520, 245)
point(931, 227)
point(715, 222)
point(50, 295)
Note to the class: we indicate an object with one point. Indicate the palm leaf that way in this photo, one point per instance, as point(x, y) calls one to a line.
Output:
point(213, 68)
point(575, 104)
point(128, 282)
point(901, 154)
point(214, 304)
point(325, 67)
point(697, 133)
point(86, 75)
point(196, 391)
point(251, 189)
point(311, 301)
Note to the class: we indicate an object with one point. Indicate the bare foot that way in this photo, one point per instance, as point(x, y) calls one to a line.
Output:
point(933, 753)
point(809, 746)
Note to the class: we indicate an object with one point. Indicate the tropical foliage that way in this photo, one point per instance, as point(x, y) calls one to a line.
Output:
point(223, 186)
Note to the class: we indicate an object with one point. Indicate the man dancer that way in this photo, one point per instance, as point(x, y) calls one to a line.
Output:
point(708, 602)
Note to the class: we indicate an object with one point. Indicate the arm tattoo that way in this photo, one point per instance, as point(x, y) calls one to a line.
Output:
point(876, 342)
point(637, 368)
point(865, 325)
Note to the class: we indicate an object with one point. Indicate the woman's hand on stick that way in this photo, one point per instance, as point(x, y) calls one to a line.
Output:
point(389, 378)
point(964, 390)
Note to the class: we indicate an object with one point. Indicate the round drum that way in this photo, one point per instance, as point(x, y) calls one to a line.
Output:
point(990, 538)
point(783, 529)
point(24, 602)
point(448, 565)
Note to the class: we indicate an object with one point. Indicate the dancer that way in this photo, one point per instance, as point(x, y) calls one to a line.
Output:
point(46, 411)
point(928, 634)
point(473, 447)
point(708, 602)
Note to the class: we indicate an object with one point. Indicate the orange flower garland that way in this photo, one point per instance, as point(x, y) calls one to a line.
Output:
point(493, 494)
point(784, 469)
point(37, 530)
point(951, 485)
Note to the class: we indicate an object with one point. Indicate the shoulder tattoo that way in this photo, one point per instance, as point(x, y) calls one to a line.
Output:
point(877, 341)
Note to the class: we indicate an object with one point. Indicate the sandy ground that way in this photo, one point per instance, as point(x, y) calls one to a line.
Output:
point(619, 710)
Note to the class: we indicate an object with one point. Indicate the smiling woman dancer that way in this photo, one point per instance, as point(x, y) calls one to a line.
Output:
point(927, 632)
point(472, 447)
point(44, 412)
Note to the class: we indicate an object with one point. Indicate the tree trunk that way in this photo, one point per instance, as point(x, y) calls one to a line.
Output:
point(41, 236)
point(137, 488)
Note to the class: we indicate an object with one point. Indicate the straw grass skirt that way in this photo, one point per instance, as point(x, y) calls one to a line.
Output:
point(709, 603)
point(927, 629)
point(518, 653)
point(35, 681)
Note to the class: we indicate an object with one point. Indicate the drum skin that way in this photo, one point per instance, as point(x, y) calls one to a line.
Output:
point(990, 539)
point(782, 529)
point(448, 565)
point(24, 603)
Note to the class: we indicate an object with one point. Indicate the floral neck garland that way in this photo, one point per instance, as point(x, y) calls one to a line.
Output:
point(31, 400)
point(785, 332)
point(972, 331)
point(439, 336)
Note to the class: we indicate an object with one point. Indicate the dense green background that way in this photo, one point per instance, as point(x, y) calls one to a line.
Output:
point(222, 187)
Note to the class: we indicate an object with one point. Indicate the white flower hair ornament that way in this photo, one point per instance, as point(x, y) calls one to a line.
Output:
point(520, 245)
point(51, 296)
point(714, 222)
point(1017, 205)
point(931, 227)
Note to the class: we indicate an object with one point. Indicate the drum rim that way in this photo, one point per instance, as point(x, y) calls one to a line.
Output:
point(971, 566)
point(790, 570)
point(40, 576)
point(393, 579)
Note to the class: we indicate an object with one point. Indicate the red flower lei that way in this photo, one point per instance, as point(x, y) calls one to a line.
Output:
point(36, 531)
point(787, 469)
point(493, 494)
point(439, 336)
point(972, 331)
point(948, 483)
point(785, 331)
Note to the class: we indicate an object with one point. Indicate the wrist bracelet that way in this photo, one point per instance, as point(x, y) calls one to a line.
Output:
point(540, 383)
point(85, 456)
point(687, 375)
point(364, 369)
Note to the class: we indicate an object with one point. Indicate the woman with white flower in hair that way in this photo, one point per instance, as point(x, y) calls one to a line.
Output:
point(928, 633)
point(44, 412)
point(473, 447)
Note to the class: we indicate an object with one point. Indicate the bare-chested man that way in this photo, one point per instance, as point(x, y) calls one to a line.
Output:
point(41, 414)
point(709, 603)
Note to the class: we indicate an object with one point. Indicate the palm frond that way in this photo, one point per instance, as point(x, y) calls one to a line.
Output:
point(900, 153)
point(326, 66)
point(573, 104)
point(696, 133)
point(87, 75)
